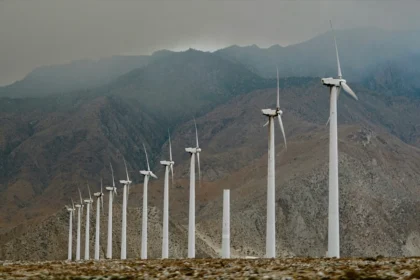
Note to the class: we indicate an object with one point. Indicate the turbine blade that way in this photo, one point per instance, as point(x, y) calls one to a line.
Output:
point(101, 185)
point(328, 120)
point(170, 147)
point(278, 89)
point(126, 170)
point(266, 124)
point(115, 191)
point(153, 175)
point(102, 203)
point(90, 197)
point(80, 195)
point(147, 158)
point(282, 131)
point(349, 90)
point(72, 203)
point(199, 169)
point(336, 52)
point(196, 133)
point(112, 172)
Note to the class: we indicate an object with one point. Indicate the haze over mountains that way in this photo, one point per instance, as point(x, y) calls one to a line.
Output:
point(53, 141)
point(363, 51)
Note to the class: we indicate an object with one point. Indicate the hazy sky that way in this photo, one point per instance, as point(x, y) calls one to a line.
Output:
point(41, 32)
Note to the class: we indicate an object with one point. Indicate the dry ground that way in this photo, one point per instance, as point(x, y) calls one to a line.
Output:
point(290, 268)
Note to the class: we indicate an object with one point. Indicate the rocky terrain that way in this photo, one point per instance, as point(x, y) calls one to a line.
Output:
point(289, 268)
point(52, 145)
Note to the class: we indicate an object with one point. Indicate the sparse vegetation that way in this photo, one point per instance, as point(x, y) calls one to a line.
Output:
point(289, 268)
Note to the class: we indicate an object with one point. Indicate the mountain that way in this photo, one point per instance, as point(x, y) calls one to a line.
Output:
point(379, 173)
point(397, 76)
point(73, 76)
point(52, 145)
point(181, 85)
point(361, 49)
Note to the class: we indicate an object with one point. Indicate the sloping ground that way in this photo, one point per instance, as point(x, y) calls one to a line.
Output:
point(49, 152)
point(379, 173)
point(48, 240)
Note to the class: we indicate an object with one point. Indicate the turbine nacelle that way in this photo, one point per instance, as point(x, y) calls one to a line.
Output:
point(125, 182)
point(88, 201)
point(167, 162)
point(109, 188)
point(78, 205)
point(148, 173)
point(98, 194)
point(193, 150)
point(332, 82)
point(271, 112)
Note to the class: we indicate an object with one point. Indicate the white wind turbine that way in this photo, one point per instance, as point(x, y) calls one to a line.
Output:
point(70, 246)
point(99, 202)
point(270, 242)
point(112, 190)
point(79, 222)
point(126, 184)
point(88, 202)
point(191, 221)
point(335, 84)
point(165, 232)
point(147, 174)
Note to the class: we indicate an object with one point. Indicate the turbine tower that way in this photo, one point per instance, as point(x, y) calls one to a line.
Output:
point(70, 246)
point(335, 84)
point(270, 242)
point(99, 202)
point(126, 184)
point(88, 202)
point(226, 225)
point(112, 190)
point(191, 221)
point(79, 222)
point(147, 174)
point(165, 232)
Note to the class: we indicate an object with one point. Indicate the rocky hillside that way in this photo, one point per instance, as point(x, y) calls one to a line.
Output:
point(52, 145)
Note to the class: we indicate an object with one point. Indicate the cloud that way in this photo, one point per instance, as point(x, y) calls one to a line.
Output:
point(41, 32)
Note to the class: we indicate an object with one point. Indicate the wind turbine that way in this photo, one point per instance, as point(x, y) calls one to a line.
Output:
point(147, 174)
point(112, 190)
point(88, 202)
point(79, 221)
point(270, 242)
point(126, 184)
point(335, 84)
point(99, 202)
point(191, 221)
point(165, 232)
point(70, 246)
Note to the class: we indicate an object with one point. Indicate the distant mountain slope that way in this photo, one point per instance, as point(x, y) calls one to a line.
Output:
point(360, 50)
point(50, 146)
point(181, 85)
point(76, 75)
point(397, 76)
point(47, 154)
